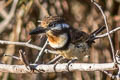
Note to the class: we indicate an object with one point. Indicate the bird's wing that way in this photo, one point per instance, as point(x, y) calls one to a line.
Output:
point(78, 36)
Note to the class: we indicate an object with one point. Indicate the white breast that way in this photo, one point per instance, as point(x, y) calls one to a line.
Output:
point(63, 38)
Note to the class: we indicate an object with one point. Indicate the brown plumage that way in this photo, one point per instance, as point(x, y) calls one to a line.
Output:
point(50, 20)
point(67, 41)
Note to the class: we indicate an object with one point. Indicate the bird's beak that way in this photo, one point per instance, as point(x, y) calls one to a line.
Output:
point(38, 30)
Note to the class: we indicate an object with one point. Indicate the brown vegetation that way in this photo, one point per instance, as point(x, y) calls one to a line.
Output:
point(17, 19)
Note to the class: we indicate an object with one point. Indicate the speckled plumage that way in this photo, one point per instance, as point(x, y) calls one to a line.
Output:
point(67, 41)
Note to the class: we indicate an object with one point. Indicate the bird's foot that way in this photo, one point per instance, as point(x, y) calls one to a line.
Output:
point(32, 68)
point(71, 61)
point(59, 61)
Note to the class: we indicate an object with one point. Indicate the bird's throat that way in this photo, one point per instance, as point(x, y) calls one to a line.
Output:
point(59, 41)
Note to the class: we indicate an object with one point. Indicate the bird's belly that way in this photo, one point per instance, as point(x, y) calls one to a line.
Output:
point(74, 52)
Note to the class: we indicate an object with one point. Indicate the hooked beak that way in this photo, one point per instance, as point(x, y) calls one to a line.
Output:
point(38, 30)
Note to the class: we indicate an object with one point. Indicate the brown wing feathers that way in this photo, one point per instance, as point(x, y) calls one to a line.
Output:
point(80, 36)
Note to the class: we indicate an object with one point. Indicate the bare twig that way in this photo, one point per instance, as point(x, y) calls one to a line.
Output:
point(55, 59)
point(117, 56)
point(46, 50)
point(117, 76)
point(106, 34)
point(29, 41)
point(110, 75)
point(41, 52)
point(23, 58)
point(43, 11)
point(26, 44)
point(4, 23)
point(105, 20)
point(59, 67)
point(3, 13)
point(14, 57)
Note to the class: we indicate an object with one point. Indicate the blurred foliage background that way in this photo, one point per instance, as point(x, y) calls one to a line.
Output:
point(18, 19)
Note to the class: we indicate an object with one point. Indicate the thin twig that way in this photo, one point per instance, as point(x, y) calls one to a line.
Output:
point(54, 52)
point(106, 34)
point(117, 56)
point(26, 44)
point(43, 10)
point(41, 52)
point(14, 57)
point(23, 58)
point(110, 75)
point(55, 59)
point(3, 13)
point(105, 20)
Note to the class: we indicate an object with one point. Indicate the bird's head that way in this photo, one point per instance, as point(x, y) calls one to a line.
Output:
point(51, 23)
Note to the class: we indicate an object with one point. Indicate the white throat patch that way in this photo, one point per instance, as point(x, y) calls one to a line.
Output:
point(63, 38)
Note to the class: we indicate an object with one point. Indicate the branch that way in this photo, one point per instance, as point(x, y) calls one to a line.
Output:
point(4, 23)
point(26, 44)
point(46, 50)
point(107, 28)
point(117, 76)
point(54, 60)
point(59, 67)
point(110, 75)
point(106, 34)
point(41, 52)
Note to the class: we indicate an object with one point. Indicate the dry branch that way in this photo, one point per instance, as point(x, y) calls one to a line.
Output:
point(59, 68)
point(46, 50)
point(106, 34)
point(4, 23)
point(26, 44)
point(41, 52)
point(107, 28)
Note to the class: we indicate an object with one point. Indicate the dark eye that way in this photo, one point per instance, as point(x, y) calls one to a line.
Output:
point(52, 24)
point(78, 46)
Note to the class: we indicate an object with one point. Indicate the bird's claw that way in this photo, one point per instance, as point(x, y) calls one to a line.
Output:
point(32, 68)
point(71, 61)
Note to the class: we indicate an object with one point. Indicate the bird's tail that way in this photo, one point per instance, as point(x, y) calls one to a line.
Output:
point(92, 36)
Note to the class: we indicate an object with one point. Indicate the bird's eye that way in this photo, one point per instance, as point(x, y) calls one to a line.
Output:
point(78, 46)
point(51, 24)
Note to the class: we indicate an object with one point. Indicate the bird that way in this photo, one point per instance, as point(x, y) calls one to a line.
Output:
point(68, 41)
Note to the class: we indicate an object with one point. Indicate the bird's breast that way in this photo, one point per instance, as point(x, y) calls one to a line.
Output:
point(57, 41)
point(75, 52)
